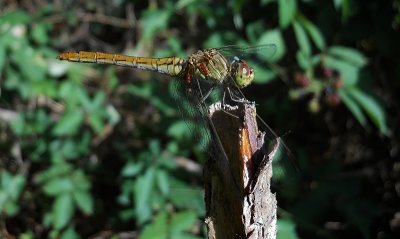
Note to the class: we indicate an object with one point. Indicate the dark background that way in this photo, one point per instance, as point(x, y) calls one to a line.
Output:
point(95, 151)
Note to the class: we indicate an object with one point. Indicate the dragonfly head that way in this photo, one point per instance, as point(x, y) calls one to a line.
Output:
point(243, 74)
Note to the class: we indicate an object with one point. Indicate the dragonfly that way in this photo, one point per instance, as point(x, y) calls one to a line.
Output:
point(209, 67)
point(197, 76)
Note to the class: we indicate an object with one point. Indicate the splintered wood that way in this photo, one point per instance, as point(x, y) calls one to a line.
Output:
point(239, 203)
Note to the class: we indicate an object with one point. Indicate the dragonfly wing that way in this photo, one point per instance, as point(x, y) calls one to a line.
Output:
point(193, 106)
point(264, 52)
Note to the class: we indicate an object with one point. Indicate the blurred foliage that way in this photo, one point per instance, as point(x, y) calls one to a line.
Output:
point(102, 151)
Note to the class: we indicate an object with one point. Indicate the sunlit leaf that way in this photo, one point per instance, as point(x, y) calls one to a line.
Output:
point(183, 221)
point(154, 21)
point(2, 55)
point(349, 72)
point(348, 54)
point(273, 37)
point(39, 34)
point(163, 181)
point(184, 196)
point(287, 11)
point(337, 3)
point(84, 201)
point(31, 70)
point(15, 17)
point(302, 39)
point(96, 121)
point(178, 130)
point(184, 3)
point(303, 60)
point(10, 189)
point(352, 106)
point(158, 229)
point(286, 229)
point(132, 169)
point(63, 209)
point(371, 107)
point(53, 172)
point(143, 188)
point(263, 75)
point(314, 33)
point(70, 233)
point(69, 123)
point(58, 186)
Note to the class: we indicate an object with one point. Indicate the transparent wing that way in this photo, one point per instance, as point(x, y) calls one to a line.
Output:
point(261, 52)
point(286, 169)
point(193, 107)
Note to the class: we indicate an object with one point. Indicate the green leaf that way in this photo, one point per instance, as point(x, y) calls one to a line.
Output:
point(178, 130)
point(304, 60)
point(314, 33)
point(286, 229)
point(69, 123)
point(287, 11)
point(56, 170)
point(337, 3)
point(352, 106)
point(184, 3)
point(96, 121)
point(70, 233)
point(183, 221)
point(350, 55)
point(98, 101)
point(84, 201)
point(10, 189)
point(39, 34)
point(184, 196)
point(58, 186)
point(154, 21)
point(163, 181)
point(2, 55)
point(63, 210)
point(45, 87)
point(32, 70)
point(158, 229)
point(254, 30)
point(11, 184)
point(345, 9)
point(132, 169)
point(372, 108)
point(143, 189)
point(302, 38)
point(349, 72)
point(15, 17)
point(273, 37)
point(263, 75)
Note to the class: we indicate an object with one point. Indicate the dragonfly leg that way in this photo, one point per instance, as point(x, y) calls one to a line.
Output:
point(203, 98)
point(236, 98)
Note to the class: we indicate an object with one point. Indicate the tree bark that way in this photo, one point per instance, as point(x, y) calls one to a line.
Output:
point(239, 203)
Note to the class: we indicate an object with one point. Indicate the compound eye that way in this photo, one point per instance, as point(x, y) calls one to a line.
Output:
point(244, 74)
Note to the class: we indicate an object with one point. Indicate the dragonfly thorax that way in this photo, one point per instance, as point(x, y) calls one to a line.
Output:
point(212, 66)
point(209, 65)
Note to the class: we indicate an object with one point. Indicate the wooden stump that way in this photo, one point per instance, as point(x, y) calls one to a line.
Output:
point(239, 203)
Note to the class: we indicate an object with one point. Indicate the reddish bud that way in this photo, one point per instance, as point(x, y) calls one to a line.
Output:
point(332, 100)
point(328, 73)
point(301, 79)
